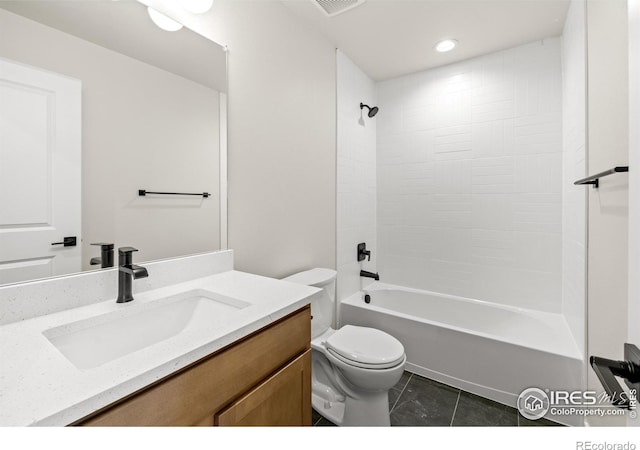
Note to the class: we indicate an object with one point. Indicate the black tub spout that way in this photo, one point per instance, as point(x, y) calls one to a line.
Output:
point(364, 273)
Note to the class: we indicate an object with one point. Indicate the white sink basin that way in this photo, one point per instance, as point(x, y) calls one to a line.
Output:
point(95, 341)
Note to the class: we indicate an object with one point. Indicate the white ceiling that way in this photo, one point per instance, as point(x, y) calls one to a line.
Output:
point(390, 38)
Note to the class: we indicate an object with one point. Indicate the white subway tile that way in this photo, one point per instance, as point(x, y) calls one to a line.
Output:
point(469, 182)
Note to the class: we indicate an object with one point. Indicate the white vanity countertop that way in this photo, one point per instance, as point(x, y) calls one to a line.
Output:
point(39, 386)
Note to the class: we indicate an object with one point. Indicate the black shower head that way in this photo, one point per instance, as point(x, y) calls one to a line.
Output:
point(372, 111)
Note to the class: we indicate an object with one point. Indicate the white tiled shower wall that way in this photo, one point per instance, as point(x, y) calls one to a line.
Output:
point(356, 175)
point(469, 184)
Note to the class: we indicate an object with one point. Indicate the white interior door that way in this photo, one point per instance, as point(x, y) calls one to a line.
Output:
point(40, 142)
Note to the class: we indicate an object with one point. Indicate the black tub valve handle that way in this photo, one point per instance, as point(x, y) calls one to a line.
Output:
point(363, 253)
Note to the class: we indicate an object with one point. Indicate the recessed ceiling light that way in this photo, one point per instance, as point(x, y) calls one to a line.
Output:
point(446, 45)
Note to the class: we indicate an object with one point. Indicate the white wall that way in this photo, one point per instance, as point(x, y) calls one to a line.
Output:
point(574, 198)
point(356, 176)
point(608, 126)
point(282, 137)
point(469, 178)
point(138, 132)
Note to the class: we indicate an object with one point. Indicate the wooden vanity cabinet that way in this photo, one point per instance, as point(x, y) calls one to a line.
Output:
point(263, 379)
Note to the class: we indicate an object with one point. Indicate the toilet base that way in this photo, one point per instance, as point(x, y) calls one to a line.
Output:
point(371, 410)
point(332, 411)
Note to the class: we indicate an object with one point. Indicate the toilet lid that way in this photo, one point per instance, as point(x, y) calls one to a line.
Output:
point(365, 347)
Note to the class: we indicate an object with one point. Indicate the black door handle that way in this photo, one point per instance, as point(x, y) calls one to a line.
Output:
point(607, 370)
point(69, 241)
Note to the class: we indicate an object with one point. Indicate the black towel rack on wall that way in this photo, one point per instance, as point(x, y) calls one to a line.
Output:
point(594, 179)
point(143, 192)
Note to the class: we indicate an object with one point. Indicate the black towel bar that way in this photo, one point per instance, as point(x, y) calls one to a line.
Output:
point(142, 193)
point(594, 179)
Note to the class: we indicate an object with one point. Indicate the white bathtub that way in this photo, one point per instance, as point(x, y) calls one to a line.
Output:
point(488, 349)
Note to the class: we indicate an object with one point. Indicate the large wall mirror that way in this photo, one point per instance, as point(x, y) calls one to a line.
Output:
point(96, 104)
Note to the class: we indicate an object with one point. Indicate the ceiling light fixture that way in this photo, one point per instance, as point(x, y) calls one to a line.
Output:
point(162, 12)
point(446, 45)
point(163, 21)
point(196, 6)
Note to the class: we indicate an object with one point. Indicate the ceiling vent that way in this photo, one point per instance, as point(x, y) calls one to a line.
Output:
point(334, 7)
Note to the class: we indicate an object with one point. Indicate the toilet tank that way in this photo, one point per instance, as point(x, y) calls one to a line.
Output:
point(322, 304)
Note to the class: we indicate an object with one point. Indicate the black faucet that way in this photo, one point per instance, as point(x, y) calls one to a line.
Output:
point(364, 273)
point(106, 256)
point(127, 272)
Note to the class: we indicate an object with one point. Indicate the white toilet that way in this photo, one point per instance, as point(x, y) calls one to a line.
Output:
point(353, 367)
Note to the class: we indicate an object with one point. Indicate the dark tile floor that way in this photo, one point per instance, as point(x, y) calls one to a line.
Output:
point(416, 401)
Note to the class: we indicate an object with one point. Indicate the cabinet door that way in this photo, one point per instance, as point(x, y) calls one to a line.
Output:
point(283, 399)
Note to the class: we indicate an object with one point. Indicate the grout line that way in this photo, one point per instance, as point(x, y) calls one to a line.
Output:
point(455, 409)
point(407, 383)
point(401, 392)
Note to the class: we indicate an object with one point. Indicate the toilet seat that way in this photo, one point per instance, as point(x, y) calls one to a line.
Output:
point(364, 347)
